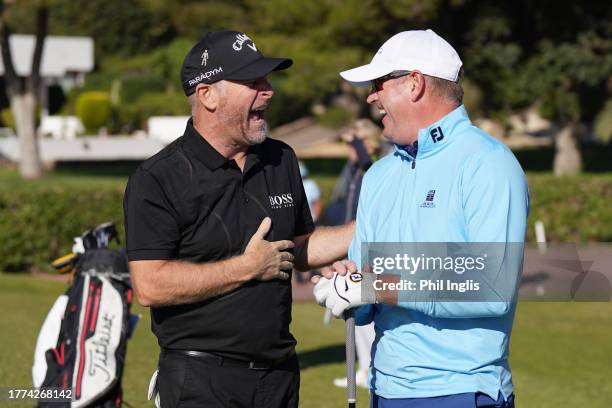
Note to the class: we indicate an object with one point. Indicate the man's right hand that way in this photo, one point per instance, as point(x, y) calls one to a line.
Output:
point(269, 259)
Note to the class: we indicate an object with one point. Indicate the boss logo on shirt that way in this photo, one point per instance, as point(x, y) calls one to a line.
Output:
point(281, 201)
point(429, 200)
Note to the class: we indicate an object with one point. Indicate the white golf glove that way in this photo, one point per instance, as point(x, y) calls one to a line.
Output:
point(345, 292)
point(153, 392)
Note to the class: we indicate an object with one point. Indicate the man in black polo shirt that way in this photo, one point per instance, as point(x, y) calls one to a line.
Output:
point(214, 224)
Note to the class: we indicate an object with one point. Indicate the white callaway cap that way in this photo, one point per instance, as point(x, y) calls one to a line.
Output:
point(417, 50)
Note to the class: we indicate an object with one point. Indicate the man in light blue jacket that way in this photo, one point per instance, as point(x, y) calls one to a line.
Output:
point(445, 182)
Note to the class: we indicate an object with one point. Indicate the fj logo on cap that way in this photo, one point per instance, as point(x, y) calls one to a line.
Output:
point(240, 40)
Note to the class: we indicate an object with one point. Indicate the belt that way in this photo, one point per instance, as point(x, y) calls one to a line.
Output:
point(230, 362)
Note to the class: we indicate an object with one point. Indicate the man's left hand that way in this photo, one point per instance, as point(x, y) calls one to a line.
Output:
point(340, 267)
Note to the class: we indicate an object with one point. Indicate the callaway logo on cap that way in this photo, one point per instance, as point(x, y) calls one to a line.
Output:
point(417, 50)
point(226, 55)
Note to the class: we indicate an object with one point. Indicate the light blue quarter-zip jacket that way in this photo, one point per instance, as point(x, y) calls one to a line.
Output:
point(463, 186)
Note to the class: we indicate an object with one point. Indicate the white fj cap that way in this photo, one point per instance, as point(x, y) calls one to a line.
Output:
point(417, 50)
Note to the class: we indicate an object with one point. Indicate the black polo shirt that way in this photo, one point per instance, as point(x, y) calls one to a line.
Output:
point(190, 203)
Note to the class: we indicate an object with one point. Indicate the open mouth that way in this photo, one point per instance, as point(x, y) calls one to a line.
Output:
point(381, 110)
point(257, 114)
point(382, 114)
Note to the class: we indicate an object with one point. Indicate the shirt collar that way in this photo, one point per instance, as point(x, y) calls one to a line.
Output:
point(437, 135)
point(203, 151)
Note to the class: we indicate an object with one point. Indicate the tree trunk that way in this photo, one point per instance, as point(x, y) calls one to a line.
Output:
point(23, 106)
point(23, 91)
point(568, 159)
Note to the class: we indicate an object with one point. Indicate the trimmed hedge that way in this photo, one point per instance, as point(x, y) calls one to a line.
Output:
point(603, 123)
point(38, 220)
point(573, 209)
point(37, 223)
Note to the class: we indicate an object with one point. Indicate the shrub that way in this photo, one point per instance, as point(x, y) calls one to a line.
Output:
point(603, 123)
point(133, 87)
point(573, 209)
point(6, 115)
point(125, 119)
point(163, 104)
point(8, 120)
point(93, 108)
point(38, 221)
point(37, 224)
point(132, 116)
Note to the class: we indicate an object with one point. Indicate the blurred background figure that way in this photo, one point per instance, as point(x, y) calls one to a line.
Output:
point(313, 193)
point(363, 141)
point(313, 196)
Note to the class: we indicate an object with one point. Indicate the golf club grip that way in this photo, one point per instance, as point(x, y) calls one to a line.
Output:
point(351, 391)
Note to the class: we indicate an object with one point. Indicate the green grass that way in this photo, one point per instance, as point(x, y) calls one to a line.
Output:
point(561, 353)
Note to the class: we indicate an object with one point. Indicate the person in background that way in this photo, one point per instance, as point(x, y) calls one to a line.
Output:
point(313, 193)
point(313, 196)
point(363, 142)
point(364, 145)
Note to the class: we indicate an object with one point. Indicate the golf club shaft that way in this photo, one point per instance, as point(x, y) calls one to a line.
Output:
point(351, 391)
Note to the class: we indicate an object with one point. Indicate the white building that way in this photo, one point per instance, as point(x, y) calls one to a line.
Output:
point(65, 60)
point(166, 128)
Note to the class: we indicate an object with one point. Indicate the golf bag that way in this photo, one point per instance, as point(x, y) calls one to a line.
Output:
point(82, 344)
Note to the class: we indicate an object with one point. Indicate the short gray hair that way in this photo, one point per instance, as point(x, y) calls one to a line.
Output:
point(445, 89)
point(193, 100)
